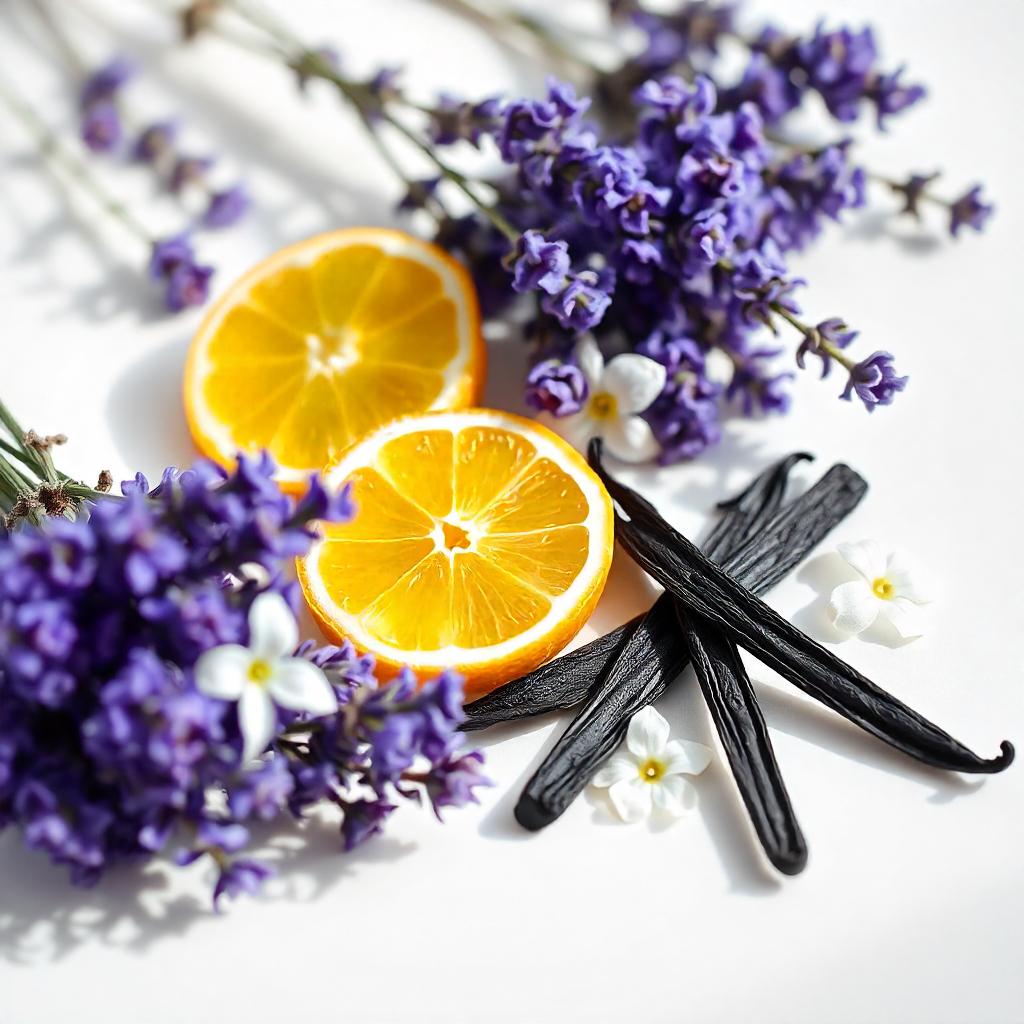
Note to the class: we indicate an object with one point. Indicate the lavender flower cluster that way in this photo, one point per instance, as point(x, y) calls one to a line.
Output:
point(110, 753)
point(173, 262)
point(669, 233)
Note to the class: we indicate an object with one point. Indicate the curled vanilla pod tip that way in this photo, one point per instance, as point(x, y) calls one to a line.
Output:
point(703, 587)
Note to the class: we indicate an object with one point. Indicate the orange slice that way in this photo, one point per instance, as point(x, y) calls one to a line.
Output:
point(481, 541)
point(328, 339)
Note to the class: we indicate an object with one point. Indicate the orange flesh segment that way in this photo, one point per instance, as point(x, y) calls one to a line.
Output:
point(529, 546)
point(548, 560)
point(420, 466)
point(313, 356)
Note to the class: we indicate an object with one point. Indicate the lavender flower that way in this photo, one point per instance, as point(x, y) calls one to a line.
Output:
point(187, 283)
point(108, 747)
point(539, 264)
point(155, 142)
point(556, 387)
point(874, 381)
point(106, 82)
point(101, 127)
point(226, 207)
point(969, 211)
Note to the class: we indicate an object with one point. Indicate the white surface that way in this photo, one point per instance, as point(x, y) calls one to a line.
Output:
point(910, 909)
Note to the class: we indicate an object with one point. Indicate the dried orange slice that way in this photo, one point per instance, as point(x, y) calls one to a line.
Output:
point(481, 541)
point(326, 340)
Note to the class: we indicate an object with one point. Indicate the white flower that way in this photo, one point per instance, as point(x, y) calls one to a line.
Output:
point(648, 774)
point(616, 394)
point(264, 673)
point(884, 590)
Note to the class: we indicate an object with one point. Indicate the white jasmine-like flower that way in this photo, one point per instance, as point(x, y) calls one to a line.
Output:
point(616, 393)
point(648, 773)
point(264, 674)
point(885, 590)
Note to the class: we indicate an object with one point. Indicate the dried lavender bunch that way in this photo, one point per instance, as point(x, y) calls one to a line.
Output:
point(655, 215)
point(112, 746)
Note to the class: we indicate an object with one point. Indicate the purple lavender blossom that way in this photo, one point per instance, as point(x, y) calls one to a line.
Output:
point(874, 381)
point(226, 207)
point(101, 127)
point(104, 83)
point(108, 749)
point(187, 283)
point(969, 211)
point(540, 264)
point(238, 877)
point(556, 387)
point(833, 331)
point(155, 141)
point(581, 303)
point(188, 170)
point(452, 781)
point(363, 819)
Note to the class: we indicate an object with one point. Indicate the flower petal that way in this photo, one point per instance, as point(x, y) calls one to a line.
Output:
point(299, 685)
point(615, 769)
point(647, 734)
point(866, 557)
point(257, 721)
point(853, 607)
point(590, 361)
point(634, 380)
point(273, 631)
point(577, 430)
point(630, 439)
point(672, 795)
point(631, 799)
point(907, 617)
point(221, 671)
point(686, 756)
point(899, 574)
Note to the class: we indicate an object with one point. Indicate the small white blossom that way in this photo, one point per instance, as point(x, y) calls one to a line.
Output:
point(884, 590)
point(264, 674)
point(647, 775)
point(617, 393)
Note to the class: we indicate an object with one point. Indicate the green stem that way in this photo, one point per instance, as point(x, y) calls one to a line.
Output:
point(315, 66)
point(55, 153)
point(810, 332)
point(29, 456)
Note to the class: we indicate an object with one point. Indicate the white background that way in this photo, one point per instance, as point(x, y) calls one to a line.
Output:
point(911, 906)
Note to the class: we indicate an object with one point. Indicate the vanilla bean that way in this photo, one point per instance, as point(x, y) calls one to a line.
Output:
point(703, 587)
point(656, 652)
point(744, 736)
point(567, 680)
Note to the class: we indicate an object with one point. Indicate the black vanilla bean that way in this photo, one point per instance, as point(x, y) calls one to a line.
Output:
point(640, 673)
point(744, 736)
point(705, 588)
point(565, 681)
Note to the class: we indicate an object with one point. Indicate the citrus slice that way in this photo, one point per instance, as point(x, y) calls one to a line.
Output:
point(481, 542)
point(326, 340)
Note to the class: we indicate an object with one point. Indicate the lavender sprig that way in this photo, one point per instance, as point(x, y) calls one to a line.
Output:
point(185, 281)
point(109, 751)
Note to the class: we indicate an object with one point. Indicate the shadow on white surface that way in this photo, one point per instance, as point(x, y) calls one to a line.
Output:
point(883, 225)
point(44, 919)
point(145, 413)
point(798, 716)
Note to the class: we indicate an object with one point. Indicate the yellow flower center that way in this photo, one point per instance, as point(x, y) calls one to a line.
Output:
point(883, 588)
point(259, 671)
point(652, 770)
point(603, 406)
